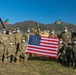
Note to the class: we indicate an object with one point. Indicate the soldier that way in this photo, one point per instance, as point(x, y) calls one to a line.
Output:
point(74, 49)
point(66, 37)
point(4, 45)
point(23, 56)
point(37, 30)
point(53, 35)
point(18, 37)
point(11, 46)
point(27, 34)
point(60, 50)
point(27, 39)
point(11, 52)
point(11, 37)
point(0, 47)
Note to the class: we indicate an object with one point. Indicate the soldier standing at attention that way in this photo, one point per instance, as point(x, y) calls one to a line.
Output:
point(23, 56)
point(27, 34)
point(28, 56)
point(37, 30)
point(74, 49)
point(18, 37)
point(4, 45)
point(11, 37)
point(60, 50)
point(11, 46)
point(66, 37)
point(0, 47)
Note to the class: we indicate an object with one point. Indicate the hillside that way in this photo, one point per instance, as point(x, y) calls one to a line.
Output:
point(35, 67)
point(32, 24)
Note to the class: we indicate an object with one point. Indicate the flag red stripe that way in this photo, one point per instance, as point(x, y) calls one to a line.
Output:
point(48, 45)
point(48, 37)
point(43, 48)
point(41, 53)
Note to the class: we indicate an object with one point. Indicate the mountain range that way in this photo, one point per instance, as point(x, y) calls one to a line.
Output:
point(32, 24)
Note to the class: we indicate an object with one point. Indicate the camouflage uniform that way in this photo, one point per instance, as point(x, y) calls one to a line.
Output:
point(28, 56)
point(69, 56)
point(11, 46)
point(11, 37)
point(4, 45)
point(11, 52)
point(74, 50)
point(66, 37)
point(24, 56)
point(18, 37)
point(0, 47)
point(37, 30)
point(27, 34)
point(60, 50)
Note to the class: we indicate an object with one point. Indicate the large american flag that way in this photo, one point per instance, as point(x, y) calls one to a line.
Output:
point(44, 46)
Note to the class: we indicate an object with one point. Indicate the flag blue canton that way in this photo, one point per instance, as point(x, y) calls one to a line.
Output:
point(34, 40)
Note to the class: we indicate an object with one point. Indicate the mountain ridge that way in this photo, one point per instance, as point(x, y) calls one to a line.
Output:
point(32, 24)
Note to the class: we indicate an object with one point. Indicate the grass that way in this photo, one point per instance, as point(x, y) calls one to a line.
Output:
point(35, 67)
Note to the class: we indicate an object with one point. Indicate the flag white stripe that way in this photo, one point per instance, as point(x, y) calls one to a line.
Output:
point(49, 42)
point(51, 39)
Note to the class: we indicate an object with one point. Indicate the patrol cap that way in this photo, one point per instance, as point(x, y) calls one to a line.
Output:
point(28, 28)
point(65, 27)
point(17, 28)
point(14, 29)
point(52, 30)
point(60, 39)
point(10, 30)
point(23, 38)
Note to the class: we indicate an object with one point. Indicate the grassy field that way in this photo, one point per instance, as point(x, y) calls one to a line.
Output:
point(35, 67)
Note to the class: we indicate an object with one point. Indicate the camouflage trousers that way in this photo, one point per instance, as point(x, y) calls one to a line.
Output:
point(67, 56)
point(21, 56)
point(3, 52)
point(11, 53)
point(74, 56)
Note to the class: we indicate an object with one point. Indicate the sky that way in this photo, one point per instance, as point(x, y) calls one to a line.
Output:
point(42, 11)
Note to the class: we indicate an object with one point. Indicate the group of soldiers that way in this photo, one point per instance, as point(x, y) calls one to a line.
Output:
point(13, 45)
point(66, 48)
